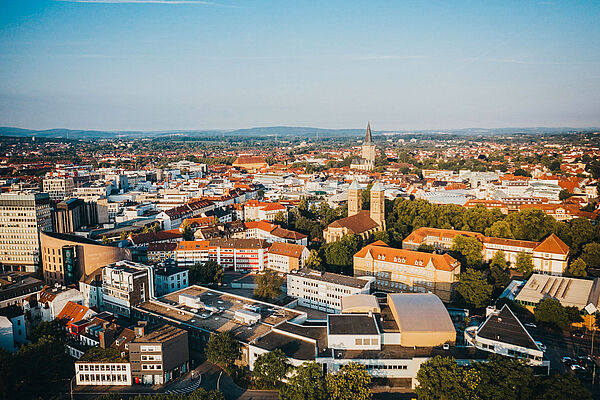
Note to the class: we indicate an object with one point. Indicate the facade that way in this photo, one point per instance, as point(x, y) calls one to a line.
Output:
point(324, 290)
point(548, 256)
point(66, 258)
point(102, 373)
point(58, 188)
point(359, 222)
point(401, 270)
point(16, 286)
point(70, 215)
point(231, 254)
point(250, 162)
point(161, 252)
point(160, 356)
point(22, 217)
point(126, 284)
point(13, 332)
point(90, 287)
point(170, 279)
point(271, 232)
point(255, 210)
point(49, 302)
point(287, 257)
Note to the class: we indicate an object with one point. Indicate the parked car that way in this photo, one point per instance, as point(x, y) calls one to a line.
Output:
point(577, 368)
point(541, 345)
point(530, 325)
point(567, 360)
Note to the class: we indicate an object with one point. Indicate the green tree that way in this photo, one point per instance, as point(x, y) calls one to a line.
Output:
point(314, 261)
point(268, 285)
point(531, 224)
point(504, 378)
point(473, 287)
point(426, 248)
point(440, 378)
point(591, 255)
point(578, 268)
point(564, 194)
point(280, 219)
point(340, 254)
point(206, 273)
point(469, 249)
point(524, 264)
point(307, 383)
point(550, 311)
point(222, 349)
point(124, 235)
point(351, 382)
point(186, 231)
point(105, 239)
point(269, 369)
point(500, 229)
point(381, 235)
point(499, 260)
point(560, 387)
point(521, 172)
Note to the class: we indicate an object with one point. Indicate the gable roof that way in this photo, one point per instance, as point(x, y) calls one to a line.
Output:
point(444, 262)
point(552, 244)
point(287, 249)
point(358, 223)
point(505, 327)
point(72, 312)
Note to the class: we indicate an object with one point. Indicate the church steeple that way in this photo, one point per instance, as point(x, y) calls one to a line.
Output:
point(368, 138)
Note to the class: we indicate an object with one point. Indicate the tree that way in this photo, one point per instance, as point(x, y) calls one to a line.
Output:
point(504, 378)
point(208, 273)
point(473, 287)
point(351, 382)
point(307, 383)
point(268, 285)
point(186, 231)
point(500, 229)
point(270, 368)
point(573, 314)
point(591, 255)
point(531, 224)
point(469, 249)
point(280, 219)
point(441, 378)
point(560, 387)
point(577, 268)
point(124, 235)
point(381, 235)
point(314, 261)
point(499, 260)
point(521, 172)
point(340, 254)
point(564, 194)
point(222, 349)
point(105, 239)
point(524, 264)
point(426, 248)
point(550, 311)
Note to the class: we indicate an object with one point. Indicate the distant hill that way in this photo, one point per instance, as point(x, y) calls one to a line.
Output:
point(280, 131)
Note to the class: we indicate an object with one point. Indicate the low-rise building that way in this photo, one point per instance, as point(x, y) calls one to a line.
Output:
point(287, 257)
point(126, 284)
point(13, 331)
point(170, 279)
point(16, 286)
point(159, 356)
point(401, 270)
point(103, 368)
point(324, 290)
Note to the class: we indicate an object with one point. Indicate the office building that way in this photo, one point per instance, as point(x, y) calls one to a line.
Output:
point(126, 284)
point(22, 217)
point(71, 215)
point(58, 188)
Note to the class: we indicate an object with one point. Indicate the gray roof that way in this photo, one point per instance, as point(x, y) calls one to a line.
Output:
point(505, 327)
point(368, 136)
point(352, 324)
point(330, 277)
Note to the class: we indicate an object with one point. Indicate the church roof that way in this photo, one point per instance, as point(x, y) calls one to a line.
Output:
point(368, 137)
point(377, 187)
point(354, 185)
point(357, 223)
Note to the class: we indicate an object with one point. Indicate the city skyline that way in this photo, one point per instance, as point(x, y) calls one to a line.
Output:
point(194, 65)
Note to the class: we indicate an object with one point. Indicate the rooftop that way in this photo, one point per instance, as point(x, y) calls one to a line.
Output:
point(504, 326)
point(330, 277)
point(352, 324)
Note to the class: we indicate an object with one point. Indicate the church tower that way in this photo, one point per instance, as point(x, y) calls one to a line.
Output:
point(354, 199)
point(368, 148)
point(378, 204)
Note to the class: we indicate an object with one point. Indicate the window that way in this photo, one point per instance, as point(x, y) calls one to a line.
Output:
point(358, 342)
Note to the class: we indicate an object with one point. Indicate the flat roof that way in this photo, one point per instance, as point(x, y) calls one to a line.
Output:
point(292, 347)
point(329, 277)
point(569, 291)
point(169, 307)
point(392, 352)
point(162, 334)
point(352, 324)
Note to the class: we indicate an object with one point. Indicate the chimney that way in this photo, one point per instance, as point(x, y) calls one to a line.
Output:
point(139, 329)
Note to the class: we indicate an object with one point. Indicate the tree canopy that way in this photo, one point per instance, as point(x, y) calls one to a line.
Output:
point(269, 369)
point(351, 382)
point(474, 288)
point(222, 349)
point(268, 285)
point(206, 273)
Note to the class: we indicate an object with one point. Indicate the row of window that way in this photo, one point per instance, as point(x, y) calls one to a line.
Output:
point(103, 378)
point(101, 367)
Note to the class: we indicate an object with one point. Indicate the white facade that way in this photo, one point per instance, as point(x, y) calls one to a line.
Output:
point(59, 189)
point(316, 293)
point(92, 294)
point(103, 374)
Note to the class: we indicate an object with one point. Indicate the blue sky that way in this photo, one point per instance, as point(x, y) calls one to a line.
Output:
point(161, 64)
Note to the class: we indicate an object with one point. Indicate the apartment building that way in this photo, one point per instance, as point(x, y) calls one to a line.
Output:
point(273, 233)
point(159, 356)
point(324, 290)
point(169, 279)
point(58, 188)
point(126, 284)
point(231, 254)
point(255, 210)
point(16, 286)
point(401, 270)
point(22, 216)
point(287, 257)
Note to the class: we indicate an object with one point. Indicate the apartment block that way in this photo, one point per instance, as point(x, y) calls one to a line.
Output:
point(58, 188)
point(126, 284)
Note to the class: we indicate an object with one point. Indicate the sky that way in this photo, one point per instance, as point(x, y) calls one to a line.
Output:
point(228, 64)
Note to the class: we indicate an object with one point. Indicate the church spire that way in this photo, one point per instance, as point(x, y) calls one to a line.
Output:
point(368, 138)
